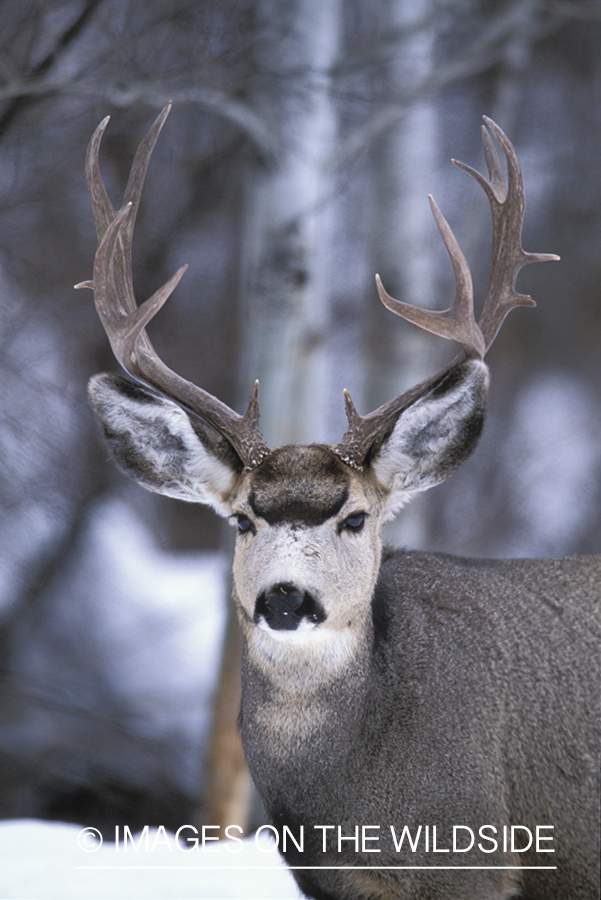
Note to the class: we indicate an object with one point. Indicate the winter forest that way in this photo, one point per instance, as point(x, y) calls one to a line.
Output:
point(304, 138)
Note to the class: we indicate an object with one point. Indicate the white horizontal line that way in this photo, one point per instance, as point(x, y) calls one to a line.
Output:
point(234, 867)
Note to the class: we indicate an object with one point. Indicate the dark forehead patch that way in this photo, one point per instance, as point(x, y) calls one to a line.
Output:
point(306, 485)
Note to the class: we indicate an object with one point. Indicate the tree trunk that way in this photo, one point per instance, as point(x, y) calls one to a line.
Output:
point(286, 268)
point(285, 294)
point(228, 789)
point(404, 248)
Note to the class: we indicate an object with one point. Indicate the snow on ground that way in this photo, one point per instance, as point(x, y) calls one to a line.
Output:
point(56, 861)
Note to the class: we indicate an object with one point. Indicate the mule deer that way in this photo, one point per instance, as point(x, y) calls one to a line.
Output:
point(417, 725)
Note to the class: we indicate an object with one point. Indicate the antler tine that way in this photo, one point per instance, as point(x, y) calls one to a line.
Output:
point(456, 323)
point(508, 204)
point(101, 205)
point(124, 321)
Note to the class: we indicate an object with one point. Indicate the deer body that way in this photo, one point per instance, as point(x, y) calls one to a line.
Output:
point(385, 694)
point(468, 704)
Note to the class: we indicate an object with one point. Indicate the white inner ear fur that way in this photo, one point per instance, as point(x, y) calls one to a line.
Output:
point(422, 449)
point(194, 473)
point(169, 457)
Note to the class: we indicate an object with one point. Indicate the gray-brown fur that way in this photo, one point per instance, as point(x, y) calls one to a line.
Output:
point(474, 705)
point(299, 484)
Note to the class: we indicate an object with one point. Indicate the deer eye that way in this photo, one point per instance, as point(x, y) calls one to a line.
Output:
point(354, 522)
point(244, 525)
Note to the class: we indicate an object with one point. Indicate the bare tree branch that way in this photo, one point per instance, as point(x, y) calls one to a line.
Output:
point(24, 98)
point(155, 93)
point(486, 50)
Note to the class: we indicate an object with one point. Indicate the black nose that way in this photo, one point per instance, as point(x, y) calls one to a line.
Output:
point(284, 606)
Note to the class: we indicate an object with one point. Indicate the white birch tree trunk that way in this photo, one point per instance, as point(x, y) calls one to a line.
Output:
point(285, 295)
point(404, 247)
point(286, 267)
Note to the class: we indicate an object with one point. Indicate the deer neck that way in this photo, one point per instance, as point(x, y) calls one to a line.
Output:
point(290, 689)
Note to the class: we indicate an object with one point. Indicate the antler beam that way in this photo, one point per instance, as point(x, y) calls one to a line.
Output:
point(458, 324)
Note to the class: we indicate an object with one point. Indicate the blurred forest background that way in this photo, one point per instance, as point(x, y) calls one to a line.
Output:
point(304, 139)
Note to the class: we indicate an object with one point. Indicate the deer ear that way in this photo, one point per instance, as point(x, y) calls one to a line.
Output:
point(432, 436)
point(163, 448)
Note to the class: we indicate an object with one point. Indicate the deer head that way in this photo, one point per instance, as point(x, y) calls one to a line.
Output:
point(308, 518)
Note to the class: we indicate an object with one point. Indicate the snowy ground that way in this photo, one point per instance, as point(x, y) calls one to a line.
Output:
point(55, 861)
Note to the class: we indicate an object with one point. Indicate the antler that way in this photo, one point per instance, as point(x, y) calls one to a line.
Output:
point(507, 205)
point(124, 321)
point(458, 323)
